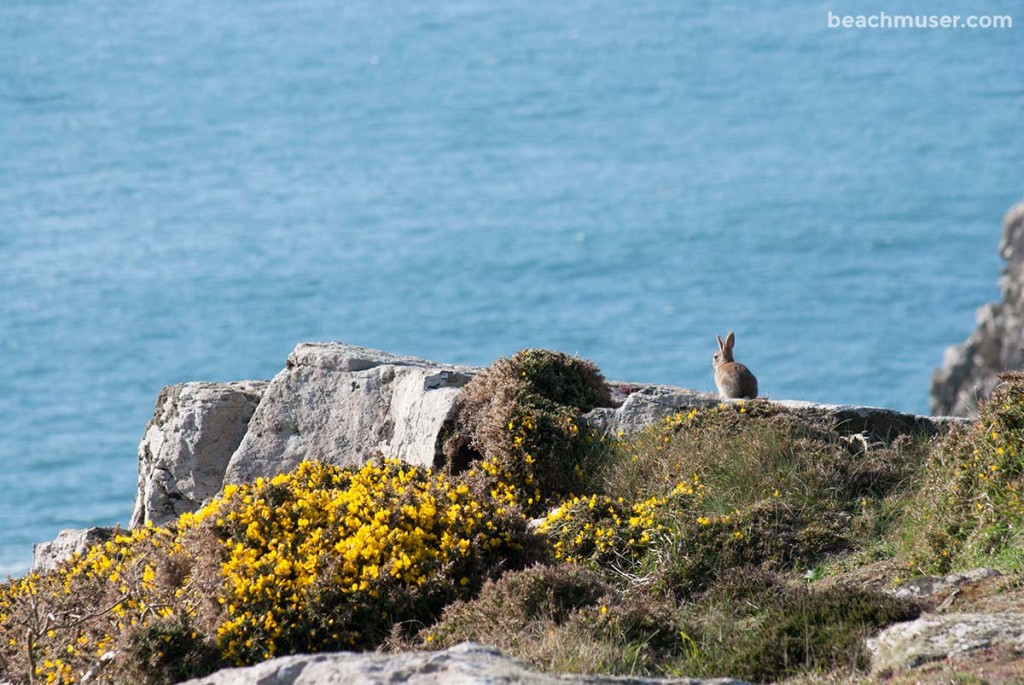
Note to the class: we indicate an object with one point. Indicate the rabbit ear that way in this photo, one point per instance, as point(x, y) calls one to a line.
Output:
point(721, 343)
point(730, 340)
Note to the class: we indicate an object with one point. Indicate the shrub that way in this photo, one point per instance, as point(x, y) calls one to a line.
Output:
point(782, 630)
point(673, 546)
point(564, 618)
point(322, 558)
point(59, 626)
point(170, 651)
point(558, 377)
point(519, 608)
point(521, 420)
point(601, 531)
point(968, 510)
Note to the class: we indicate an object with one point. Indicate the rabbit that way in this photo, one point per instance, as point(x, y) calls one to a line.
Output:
point(733, 379)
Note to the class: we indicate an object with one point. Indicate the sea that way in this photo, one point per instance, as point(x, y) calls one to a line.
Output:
point(189, 188)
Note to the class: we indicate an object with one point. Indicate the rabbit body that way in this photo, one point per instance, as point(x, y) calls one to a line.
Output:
point(733, 380)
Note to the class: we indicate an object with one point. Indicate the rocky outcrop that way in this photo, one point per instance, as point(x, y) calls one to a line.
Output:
point(969, 371)
point(46, 556)
point(465, 664)
point(195, 429)
point(341, 404)
point(948, 636)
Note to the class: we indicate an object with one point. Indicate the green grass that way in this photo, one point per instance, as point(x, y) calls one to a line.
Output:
point(967, 509)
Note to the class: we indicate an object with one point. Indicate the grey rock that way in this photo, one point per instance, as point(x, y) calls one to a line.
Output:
point(464, 664)
point(46, 556)
point(935, 637)
point(969, 371)
point(876, 423)
point(195, 429)
point(930, 587)
point(342, 404)
point(642, 405)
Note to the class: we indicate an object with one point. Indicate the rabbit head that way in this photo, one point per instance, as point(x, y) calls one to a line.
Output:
point(724, 353)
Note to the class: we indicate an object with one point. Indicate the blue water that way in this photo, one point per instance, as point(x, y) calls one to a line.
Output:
point(190, 188)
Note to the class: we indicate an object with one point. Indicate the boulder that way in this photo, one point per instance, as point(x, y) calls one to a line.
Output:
point(947, 636)
point(47, 556)
point(195, 429)
point(464, 664)
point(970, 370)
point(343, 404)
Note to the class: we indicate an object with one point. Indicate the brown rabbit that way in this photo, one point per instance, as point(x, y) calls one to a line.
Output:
point(732, 378)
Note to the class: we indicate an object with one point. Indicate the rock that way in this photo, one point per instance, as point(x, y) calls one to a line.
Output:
point(47, 556)
point(930, 587)
point(342, 404)
point(195, 429)
point(464, 664)
point(969, 371)
point(642, 405)
point(947, 636)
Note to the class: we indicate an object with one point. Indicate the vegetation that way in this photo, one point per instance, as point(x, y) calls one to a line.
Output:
point(319, 559)
point(523, 420)
point(723, 541)
point(968, 509)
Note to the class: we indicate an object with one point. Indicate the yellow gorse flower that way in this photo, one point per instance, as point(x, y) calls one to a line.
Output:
point(302, 561)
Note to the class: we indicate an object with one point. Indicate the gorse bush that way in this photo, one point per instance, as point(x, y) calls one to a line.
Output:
point(60, 626)
point(346, 554)
point(558, 377)
point(322, 558)
point(522, 419)
point(600, 530)
point(969, 508)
